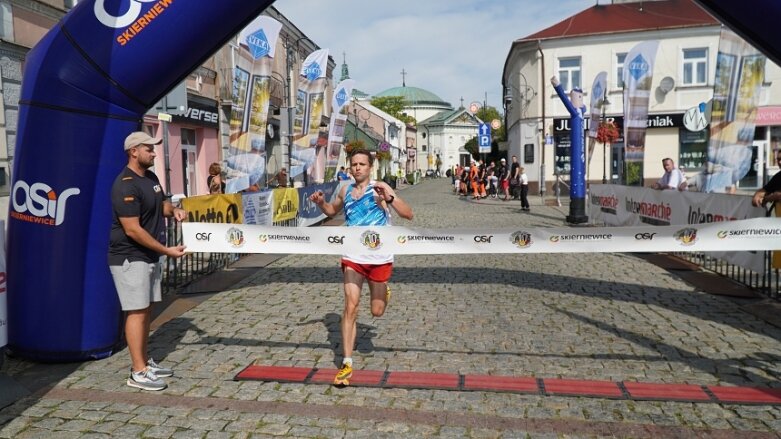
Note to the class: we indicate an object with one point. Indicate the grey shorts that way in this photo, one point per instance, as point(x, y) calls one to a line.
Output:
point(138, 283)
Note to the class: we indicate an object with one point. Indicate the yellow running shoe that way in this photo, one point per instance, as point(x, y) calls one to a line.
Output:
point(343, 376)
point(387, 294)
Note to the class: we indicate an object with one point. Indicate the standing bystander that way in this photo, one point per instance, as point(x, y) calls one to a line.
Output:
point(136, 250)
point(524, 185)
point(771, 192)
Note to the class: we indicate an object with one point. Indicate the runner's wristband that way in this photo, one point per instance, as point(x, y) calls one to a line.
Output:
point(391, 200)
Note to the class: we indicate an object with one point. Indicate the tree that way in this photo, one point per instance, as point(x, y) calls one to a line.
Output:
point(488, 114)
point(393, 105)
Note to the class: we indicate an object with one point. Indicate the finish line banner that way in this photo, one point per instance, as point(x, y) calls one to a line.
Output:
point(750, 234)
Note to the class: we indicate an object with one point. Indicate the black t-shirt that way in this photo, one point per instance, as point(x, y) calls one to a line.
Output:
point(513, 169)
point(774, 185)
point(141, 197)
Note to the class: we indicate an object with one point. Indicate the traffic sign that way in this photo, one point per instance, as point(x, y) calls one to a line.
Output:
point(484, 138)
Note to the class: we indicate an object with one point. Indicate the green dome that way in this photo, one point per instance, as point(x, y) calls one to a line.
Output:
point(415, 96)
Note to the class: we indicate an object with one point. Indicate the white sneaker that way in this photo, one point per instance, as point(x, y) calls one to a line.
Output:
point(146, 380)
point(162, 372)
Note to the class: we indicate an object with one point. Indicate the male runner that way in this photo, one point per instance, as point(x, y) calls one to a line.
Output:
point(365, 203)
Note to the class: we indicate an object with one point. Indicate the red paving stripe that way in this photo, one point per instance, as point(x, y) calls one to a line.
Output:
point(667, 392)
point(600, 389)
point(423, 380)
point(500, 383)
point(359, 378)
point(751, 395)
point(274, 373)
point(605, 389)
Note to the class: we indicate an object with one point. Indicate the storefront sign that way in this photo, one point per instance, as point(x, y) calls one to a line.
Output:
point(199, 114)
point(769, 116)
point(654, 121)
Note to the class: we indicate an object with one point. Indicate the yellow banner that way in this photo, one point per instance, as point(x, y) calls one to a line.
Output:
point(214, 209)
point(285, 204)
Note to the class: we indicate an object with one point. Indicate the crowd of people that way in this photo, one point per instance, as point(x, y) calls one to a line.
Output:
point(480, 180)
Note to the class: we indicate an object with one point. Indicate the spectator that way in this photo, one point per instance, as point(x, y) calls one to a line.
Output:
point(673, 178)
point(214, 180)
point(279, 180)
point(342, 175)
point(771, 192)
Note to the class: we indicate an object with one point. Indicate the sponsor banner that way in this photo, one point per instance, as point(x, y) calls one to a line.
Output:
point(3, 304)
point(310, 140)
point(752, 234)
point(638, 74)
point(344, 90)
point(308, 212)
point(257, 207)
point(220, 208)
point(629, 206)
point(740, 72)
point(285, 204)
point(598, 94)
point(245, 161)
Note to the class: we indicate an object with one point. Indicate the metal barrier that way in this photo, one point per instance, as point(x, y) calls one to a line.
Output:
point(178, 273)
point(766, 283)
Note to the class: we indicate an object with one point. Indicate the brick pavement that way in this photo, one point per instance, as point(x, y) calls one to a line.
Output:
point(598, 317)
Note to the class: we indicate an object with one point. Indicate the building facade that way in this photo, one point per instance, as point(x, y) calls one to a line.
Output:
point(598, 39)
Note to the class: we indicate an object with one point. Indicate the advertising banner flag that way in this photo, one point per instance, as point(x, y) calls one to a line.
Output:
point(638, 74)
point(285, 204)
point(631, 206)
point(222, 208)
point(598, 93)
point(309, 137)
point(246, 157)
point(342, 94)
point(257, 207)
point(740, 71)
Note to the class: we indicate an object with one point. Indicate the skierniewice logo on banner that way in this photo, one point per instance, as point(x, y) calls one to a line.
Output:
point(258, 44)
point(38, 203)
point(371, 240)
point(695, 118)
point(521, 239)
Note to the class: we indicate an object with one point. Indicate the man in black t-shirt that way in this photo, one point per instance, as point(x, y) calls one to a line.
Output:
point(771, 192)
point(136, 246)
point(515, 178)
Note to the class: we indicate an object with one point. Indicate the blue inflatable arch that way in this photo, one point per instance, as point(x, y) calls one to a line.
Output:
point(87, 84)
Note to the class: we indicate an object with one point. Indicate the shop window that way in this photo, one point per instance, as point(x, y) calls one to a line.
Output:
point(693, 149)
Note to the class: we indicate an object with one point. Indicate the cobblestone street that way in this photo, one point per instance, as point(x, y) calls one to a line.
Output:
point(612, 317)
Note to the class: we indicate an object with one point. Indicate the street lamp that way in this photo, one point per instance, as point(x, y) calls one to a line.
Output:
point(605, 103)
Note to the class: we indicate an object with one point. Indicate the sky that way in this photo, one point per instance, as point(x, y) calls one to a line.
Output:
point(452, 48)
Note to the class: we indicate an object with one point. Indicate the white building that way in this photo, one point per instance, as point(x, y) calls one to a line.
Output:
point(598, 39)
point(442, 130)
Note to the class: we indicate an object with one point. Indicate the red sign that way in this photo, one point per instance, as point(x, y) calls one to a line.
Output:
point(768, 115)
